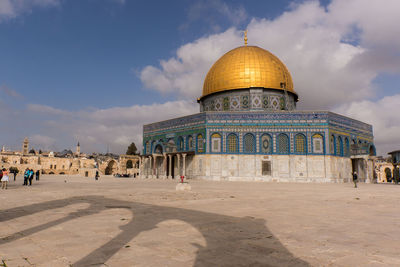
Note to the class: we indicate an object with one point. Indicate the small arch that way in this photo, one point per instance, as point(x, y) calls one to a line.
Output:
point(111, 168)
point(318, 143)
point(283, 144)
point(181, 143)
point(266, 144)
point(129, 164)
point(372, 150)
point(158, 149)
point(332, 145)
point(249, 143)
point(200, 143)
point(388, 173)
point(190, 143)
point(346, 147)
point(216, 142)
point(339, 148)
point(300, 144)
point(232, 145)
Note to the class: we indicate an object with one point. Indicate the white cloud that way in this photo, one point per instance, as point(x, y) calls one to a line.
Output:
point(334, 54)
point(383, 115)
point(12, 8)
point(115, 128)
point(42, 141)
point(184, 74)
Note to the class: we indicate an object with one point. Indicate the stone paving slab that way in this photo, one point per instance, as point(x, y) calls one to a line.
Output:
point(76, 221)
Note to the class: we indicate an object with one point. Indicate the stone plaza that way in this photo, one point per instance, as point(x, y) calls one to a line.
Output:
point(77, 221)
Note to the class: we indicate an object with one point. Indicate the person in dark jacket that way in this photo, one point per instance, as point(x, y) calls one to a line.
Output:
point(26, 176)
point(30, 176)
point(355, 179)
point(37, 175)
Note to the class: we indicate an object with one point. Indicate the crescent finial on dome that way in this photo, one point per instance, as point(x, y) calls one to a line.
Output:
point(245, 37)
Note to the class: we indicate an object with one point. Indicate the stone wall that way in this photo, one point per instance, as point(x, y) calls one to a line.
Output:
point(284, 168)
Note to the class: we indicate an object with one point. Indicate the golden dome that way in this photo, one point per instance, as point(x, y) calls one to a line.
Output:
point(245, 67)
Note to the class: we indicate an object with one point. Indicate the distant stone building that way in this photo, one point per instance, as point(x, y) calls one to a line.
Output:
point(68, 163)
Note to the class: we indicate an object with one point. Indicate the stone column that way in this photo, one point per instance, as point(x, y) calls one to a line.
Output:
point(184, 164)
point(170, 164)
point(140, 167)
point(150, 171)
point(164, 165)
point(178, 173)
point(155, 166)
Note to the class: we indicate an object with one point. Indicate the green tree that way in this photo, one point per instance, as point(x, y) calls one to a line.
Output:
point(131, 149)
point(14, 170)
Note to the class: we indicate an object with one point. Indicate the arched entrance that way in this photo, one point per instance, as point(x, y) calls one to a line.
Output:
point(111, 168)
point(158, 149)
point(129, 164)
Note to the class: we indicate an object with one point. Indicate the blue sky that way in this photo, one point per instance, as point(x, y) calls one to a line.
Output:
point(84, 70)
point(87, 53)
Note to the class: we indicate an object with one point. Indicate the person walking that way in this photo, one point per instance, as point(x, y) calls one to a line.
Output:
point(355, 179)
point(96, 177)
point(26, 176)
point(15, 174)
point(37, 175)
point(4, 179)
point(30, 176)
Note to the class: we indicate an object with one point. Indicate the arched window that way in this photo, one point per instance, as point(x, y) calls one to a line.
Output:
point(190, 142)
point(200, 143)
point(266, 144)
point(339, 147)
point(148, 149)
point(215, 143)
point(249, 143)
point(232, 143)
point(158, 149)
point(300, 146)
point(346, 147)
point(181, 143)
point(333, 145)
point(171, 147)
point(283, 144)
point(318, 144)
point(129, 164)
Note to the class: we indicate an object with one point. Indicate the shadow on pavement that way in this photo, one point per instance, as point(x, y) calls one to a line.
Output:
point(230, 241)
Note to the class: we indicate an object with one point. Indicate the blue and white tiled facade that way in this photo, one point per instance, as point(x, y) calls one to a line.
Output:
point(262, 145)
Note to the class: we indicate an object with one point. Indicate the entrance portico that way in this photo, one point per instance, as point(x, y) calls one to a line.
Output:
point(165, 166)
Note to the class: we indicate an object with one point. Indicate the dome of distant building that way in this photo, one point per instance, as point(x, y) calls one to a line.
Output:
point(248, 67)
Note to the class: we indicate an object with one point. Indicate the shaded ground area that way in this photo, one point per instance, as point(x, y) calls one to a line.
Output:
point(76, 221)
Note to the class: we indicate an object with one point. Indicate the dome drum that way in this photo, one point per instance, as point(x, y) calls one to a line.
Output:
point(250, 99)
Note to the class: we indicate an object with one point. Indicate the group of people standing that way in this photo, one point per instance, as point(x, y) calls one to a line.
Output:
point(28, 176)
